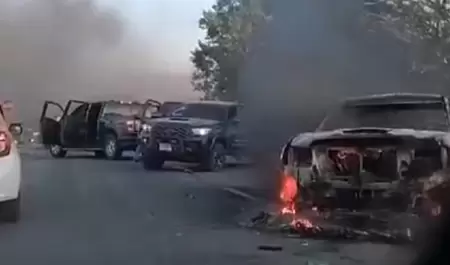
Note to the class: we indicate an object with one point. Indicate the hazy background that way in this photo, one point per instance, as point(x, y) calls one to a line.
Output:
point(96, 49)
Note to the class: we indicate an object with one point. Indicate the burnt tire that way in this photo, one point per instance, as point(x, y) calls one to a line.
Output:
point(152, 161)
point(111, 148)
point(215, 159)
point(57, 151)
point(10, 211)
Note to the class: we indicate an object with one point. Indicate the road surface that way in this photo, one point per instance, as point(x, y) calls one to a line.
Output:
point(81, 210)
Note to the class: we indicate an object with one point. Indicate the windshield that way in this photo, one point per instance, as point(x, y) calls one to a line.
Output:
point(432, 117)
point(168, 107)
point(201, 111)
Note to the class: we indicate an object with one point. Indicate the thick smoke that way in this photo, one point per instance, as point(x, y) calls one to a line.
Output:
point(71, 49)
point(312, 54)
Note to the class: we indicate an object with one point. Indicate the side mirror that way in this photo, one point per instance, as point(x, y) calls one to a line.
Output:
point(16, 129)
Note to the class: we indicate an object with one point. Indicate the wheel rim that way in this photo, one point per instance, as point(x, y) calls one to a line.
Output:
point(55, 149)
point(111, 148)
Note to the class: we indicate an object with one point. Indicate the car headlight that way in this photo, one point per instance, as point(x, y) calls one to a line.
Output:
point(201, 131)
point(146, 127)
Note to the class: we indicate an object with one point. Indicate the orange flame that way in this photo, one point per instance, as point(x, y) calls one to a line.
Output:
point(288, 194)
point(289, 190)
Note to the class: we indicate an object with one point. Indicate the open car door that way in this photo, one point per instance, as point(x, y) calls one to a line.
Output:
point(50, 126)
point(74, 124)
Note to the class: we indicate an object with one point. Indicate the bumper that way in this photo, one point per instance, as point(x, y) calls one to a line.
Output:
point(188, 150)
point(10, 176)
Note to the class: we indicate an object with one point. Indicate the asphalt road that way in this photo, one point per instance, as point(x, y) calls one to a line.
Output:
point(81, 210)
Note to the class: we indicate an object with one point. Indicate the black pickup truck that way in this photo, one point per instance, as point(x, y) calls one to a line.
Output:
point(106, 127)
point(204, 132)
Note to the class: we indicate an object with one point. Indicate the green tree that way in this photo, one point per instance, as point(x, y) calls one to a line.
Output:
point(424, 25)
point(230, 26)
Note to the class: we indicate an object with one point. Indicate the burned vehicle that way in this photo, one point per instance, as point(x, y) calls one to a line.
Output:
point(203, 132)
point(106, 128)
point(382, 158)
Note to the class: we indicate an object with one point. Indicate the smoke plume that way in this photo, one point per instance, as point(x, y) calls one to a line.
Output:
point(70, 49)
point(309, 56)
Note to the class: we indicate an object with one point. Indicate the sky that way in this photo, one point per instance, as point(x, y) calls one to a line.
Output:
point(169, 27)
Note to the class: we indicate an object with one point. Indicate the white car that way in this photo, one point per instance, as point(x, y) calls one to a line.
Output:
point(10, 172)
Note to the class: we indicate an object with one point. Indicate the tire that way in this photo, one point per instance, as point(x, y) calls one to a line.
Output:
point(10, 211)
point(215, 159)
point(152, 161)
point(57, 151)
point(110, 148)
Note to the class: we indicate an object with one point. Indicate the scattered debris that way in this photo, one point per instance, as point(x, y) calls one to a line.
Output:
point(150, 215)
point(310, 262)
point(270, 248)
point(190, 196)
point(296, 227)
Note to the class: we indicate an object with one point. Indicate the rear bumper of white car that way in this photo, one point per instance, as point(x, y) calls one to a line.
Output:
point(10, 176)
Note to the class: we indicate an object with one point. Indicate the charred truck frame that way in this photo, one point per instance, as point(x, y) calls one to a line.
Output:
point(381, 155)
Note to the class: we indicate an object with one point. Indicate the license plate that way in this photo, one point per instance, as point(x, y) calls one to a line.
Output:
point(165, 147)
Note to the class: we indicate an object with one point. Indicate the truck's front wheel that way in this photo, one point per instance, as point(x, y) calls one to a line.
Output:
point(215, 158)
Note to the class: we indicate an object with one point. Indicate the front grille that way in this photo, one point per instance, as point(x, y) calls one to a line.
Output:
point(171, 131)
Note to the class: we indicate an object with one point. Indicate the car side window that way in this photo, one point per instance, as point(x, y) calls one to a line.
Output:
point(80, 111)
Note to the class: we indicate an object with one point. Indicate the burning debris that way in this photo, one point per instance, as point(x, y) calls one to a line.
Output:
point(295, 225)
point(292, 220)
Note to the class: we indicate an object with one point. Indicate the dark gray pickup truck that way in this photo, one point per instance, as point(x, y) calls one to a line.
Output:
point(203, 132)
point(106, 127)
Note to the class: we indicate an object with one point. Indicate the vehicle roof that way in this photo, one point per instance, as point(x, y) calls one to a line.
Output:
point(394, 98)
point(306, 139)
point(173, 102)
point(117, 102)
point(214, 102)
